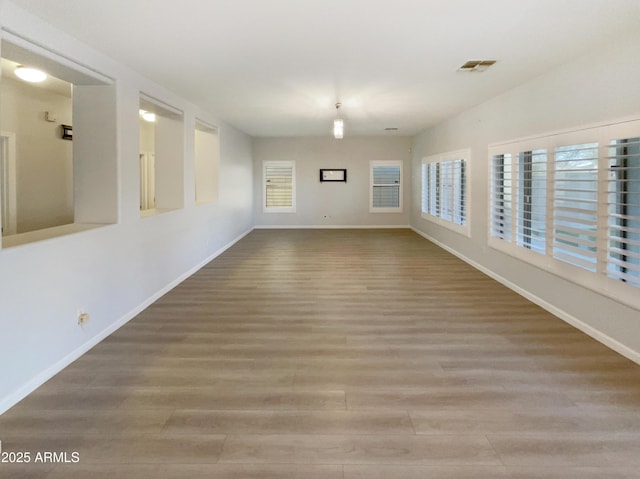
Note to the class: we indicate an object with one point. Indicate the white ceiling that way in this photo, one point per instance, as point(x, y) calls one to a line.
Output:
point(276, 67)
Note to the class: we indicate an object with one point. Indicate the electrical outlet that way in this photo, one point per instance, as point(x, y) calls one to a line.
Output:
point(83, 318)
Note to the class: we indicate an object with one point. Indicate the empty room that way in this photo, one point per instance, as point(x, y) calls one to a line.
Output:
point(320, 239)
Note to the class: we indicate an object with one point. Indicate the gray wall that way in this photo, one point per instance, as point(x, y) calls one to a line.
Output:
point(112, 271)
point(332, 204)
point(597, 87)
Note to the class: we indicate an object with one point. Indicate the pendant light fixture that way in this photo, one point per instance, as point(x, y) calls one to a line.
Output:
point(338, 124)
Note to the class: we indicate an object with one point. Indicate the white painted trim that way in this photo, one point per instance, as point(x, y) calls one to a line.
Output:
point(168, 109)
point(565, 131)
point(31, 385)
point(329, 227)
point(52, 55)
point(10, 196)
point(605, 339)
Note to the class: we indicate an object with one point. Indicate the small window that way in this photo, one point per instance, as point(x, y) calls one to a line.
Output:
point(279, 188)
point(386, 187)
point(444, 190)
point(519, 199)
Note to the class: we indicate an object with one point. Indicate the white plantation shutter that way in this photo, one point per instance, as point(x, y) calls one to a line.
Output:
point(386, 186)
point(452, 191)
point(279, 186)
point(426, 192)
point(444, 189)
point(532, 200)
point(430, 187)
point(434, 186)
point(575, 205)
point(502, 197)
point(623, 205)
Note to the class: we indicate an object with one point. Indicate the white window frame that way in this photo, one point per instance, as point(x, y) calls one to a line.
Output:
point(388, 163)
point(278, 209)
point(426, 188)
point(599, 280)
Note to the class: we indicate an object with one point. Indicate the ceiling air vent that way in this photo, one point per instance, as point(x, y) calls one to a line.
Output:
point(476, 65)
point(390, 129)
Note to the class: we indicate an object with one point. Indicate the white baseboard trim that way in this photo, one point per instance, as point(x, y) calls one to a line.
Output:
point(330, 227)
point(596, 334)
point(13, 398)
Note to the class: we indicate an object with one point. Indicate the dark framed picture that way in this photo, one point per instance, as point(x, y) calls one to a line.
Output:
point(333, 175)
point(67, 132)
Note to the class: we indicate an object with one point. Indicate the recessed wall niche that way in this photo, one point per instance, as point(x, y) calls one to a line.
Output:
point(161, 157)
point(207, 162)
point(51, 186)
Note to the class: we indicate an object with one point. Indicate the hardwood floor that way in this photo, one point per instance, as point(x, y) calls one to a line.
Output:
point(337, 354)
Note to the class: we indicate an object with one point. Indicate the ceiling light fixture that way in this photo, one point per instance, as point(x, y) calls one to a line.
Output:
point(31, 75)
point(338, 124)
point(148, 116)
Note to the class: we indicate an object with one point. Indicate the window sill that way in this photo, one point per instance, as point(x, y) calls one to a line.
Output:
point(155, 211)
point(45, 234)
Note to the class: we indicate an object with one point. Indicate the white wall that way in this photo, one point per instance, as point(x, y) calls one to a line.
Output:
point(110, 271)
point(597, 87)
point(331, 204)
point(44, 160)
point(207, 159)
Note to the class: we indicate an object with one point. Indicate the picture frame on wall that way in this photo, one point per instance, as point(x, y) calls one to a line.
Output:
point(67, 132)
point(339, 174)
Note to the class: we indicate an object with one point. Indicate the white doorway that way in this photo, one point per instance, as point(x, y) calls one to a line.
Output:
point(8, 183)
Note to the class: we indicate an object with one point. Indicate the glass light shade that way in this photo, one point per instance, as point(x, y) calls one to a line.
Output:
point(338, 128)
point(148, 116)
point(31, 75)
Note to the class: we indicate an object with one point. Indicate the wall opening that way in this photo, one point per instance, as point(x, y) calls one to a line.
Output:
point(207, 161)
point(58, 141)
point(161, 157)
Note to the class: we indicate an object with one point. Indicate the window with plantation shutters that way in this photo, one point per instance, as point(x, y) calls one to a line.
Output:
point(575, 205)
point(444, 190)
point(623, 205)
point(386, 187)
point(279, 186)
point(573, 199)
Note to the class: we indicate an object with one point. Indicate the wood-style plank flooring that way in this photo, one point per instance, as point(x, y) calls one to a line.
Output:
point(337, 354)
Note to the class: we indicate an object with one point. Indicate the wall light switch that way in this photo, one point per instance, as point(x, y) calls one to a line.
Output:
point(51, 116)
